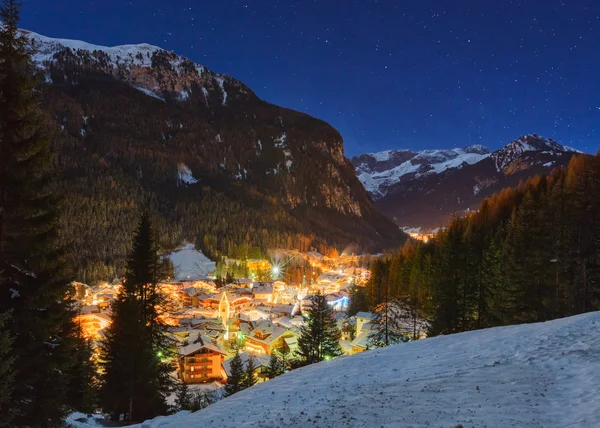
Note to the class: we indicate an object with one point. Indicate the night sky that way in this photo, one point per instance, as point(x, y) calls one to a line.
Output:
point(387, 74)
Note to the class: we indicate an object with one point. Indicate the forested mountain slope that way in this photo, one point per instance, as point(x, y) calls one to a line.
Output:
point(141, 127)
point(529, 253)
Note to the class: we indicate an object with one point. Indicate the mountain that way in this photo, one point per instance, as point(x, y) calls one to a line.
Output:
point(380, 171)
point(421, 190)
point(139, 126)
point(531, 375)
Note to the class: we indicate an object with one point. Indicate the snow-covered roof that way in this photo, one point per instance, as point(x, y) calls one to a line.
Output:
point(362, 340)
point(271, 332)
point(367, 315)
point(201, 342)
point(262, 289)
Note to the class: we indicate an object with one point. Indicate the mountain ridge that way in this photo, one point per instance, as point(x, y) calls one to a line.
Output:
point(424, 189)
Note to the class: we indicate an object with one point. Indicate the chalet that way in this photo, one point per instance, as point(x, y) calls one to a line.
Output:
point(362, 319)
point(201, 362)
point(189, 297)
point(266, 337)
point(286, 296)
point(263, 292)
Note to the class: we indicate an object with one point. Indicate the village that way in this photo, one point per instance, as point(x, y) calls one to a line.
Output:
point(254, 316)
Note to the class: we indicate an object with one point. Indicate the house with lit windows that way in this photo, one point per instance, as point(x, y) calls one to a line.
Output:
point(201, 362)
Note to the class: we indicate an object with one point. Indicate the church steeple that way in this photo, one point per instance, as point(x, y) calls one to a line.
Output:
point(224, 309)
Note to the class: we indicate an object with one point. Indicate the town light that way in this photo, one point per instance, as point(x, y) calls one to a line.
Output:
point(275, 271)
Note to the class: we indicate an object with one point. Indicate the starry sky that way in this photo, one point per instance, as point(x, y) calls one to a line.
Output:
point(386, 73)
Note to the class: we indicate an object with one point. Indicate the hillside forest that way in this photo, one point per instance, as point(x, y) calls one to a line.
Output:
point(528, 254)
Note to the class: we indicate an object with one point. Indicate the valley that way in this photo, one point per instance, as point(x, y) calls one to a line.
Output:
point(182, 247)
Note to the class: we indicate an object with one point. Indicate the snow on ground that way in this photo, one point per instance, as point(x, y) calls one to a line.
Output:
point(191, 264)
point(536, 375)
point(81, 420)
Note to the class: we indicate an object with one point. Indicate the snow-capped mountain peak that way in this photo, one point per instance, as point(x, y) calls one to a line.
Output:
point(380, 171)
point(134, 54)
point(527, 143)
point(155, 71)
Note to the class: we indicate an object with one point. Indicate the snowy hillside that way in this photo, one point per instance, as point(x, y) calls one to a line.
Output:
point(191, 264)
point(536, 375)
point(379, 171)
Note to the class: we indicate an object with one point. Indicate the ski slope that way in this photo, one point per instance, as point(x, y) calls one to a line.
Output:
point(536, 375)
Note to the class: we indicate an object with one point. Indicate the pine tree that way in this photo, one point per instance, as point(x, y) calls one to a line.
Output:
point(83, 392)
point(249, 376)
point(359, 300)
point(283, 353)
point(236, 378)
point(183, 400)
point(447, 280)
point(36, 287)
point(319, 336)
point(6, 373)
point(135, 355)
point(201, 400)
point(275, 367)
point(390, 318)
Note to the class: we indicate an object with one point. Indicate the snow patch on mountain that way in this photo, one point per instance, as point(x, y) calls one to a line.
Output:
point(149, 93)
point(191, 264)
point(221, 82)
point(205, 93)
point(377, 182)
point(184, 95)
point(279, 142)
point(184, 175)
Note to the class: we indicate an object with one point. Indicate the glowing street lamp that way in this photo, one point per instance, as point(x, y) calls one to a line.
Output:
point(275, 271)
